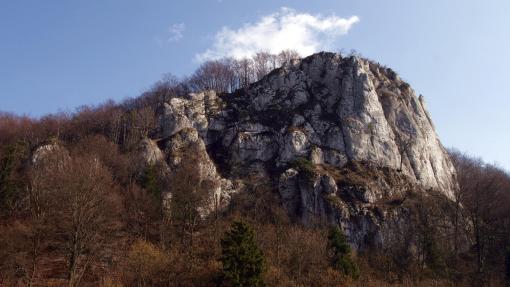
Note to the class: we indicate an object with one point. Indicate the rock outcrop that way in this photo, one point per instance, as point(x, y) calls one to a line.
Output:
point(328, 112)
point(48, 151)
point(335, 110)
point(183, 128)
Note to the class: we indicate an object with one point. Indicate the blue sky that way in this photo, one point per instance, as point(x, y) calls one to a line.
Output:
point(57, 55)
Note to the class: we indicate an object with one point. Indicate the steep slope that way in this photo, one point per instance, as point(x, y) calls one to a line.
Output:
point(318, 116)
point(334, 110)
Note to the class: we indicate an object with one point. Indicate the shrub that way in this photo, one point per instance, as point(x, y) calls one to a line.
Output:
point(146, 265)
point(109, 282)
point(305, 166)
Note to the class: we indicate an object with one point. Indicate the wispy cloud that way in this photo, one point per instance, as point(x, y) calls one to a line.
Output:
point(285, 29)
point(175, 32)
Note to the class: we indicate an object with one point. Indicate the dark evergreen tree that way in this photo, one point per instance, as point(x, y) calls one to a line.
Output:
point(11, 177)
point(150, 180)
point(341, 253)
point(243, 262)
point(431, 252)
point(507, 266)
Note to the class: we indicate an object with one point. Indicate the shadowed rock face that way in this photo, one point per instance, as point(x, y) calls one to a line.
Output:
point(330, 110)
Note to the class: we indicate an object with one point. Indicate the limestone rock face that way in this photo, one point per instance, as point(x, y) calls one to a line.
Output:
point(365, 199)
point(48, 151)
point(328, 110)
point(333, 110)
point(184, 126)
point(150, 152)
point(193, 111)
point(188, 140)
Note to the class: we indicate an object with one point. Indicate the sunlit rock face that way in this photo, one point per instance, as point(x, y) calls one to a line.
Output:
point(150, 152)
point(330, 111)
point(335, 110)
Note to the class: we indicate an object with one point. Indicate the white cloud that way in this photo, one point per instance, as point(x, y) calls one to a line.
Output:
point(279, 31)
point(176, 32)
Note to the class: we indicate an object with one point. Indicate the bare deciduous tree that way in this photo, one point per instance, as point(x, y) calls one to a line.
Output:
point(76, 196)
point(214, 75)
point(227, 75)
point(484, 196)
point(287, 56)
point(191, 195)
point(262, 64)
point(244, 72)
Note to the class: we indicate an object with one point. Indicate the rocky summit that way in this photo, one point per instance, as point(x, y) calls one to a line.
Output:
point(339, 138)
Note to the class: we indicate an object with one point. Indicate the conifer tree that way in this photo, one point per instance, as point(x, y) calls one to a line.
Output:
point(341, 253)
point(431, 252)
point(11, 180)
point(150, 180)
point(243, 262)
point(507, 266)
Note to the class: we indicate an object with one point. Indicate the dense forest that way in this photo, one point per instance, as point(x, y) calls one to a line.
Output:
point(78, 207)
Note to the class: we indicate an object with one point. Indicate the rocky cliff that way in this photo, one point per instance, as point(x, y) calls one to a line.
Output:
point(337, 136)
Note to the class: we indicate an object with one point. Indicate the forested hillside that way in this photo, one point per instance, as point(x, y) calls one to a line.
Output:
point(103, 197)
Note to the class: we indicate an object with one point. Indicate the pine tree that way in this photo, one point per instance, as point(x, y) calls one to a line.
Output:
point(341, 253)
point(431, 252)
point(150, 180)
point(11, 181)
point(243, 262)
point(507, 266)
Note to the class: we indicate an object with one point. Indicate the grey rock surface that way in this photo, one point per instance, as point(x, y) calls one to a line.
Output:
point(326, 109)
point(150, 152)
point(333, 110)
